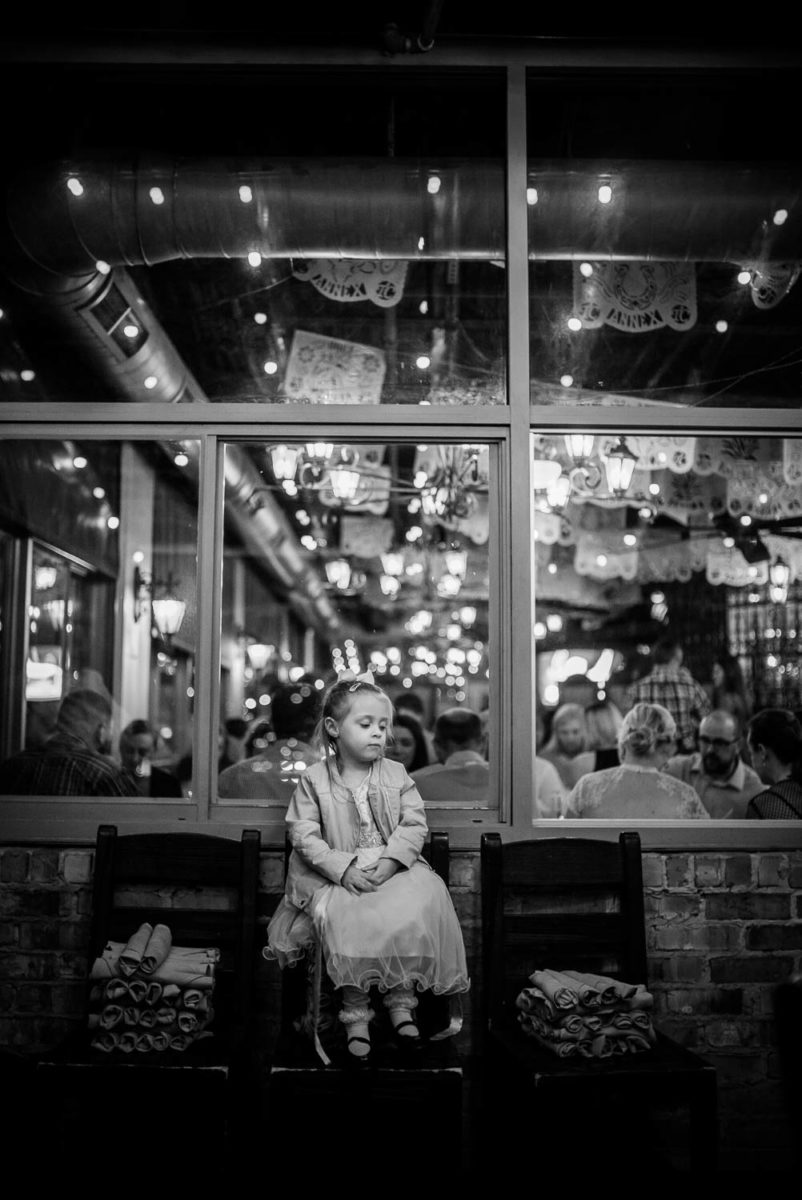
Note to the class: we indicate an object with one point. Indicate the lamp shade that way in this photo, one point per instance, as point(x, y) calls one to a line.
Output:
point(579, 446)
point(168, 614)
point(619, 466)
point(284, 460)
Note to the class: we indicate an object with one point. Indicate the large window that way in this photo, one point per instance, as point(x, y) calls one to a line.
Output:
point(312, 369)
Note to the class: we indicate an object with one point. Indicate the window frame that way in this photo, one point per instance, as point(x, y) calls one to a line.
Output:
point(74, 821)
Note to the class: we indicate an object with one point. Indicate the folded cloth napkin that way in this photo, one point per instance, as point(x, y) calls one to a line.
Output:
point(576, 1049)
point(196, 998)
point(171, 993)
point(609, 990)
point(137, 990)
point(111, 1015)
point(641, 999)
point(165, 1015)
point(190, 1022)
point(180, 1041)
point(130, 958)
point(157, 949)
point(185, 966)
point(160, 1040)
point(557, 987)
point(106, 1041)
point(531, 999)
point(154, 993)
point(147, 1018)
point(128, 1040)
point(116, 989)
point(131, 1016)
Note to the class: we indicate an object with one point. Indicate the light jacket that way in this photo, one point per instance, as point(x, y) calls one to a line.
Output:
point(323, 824)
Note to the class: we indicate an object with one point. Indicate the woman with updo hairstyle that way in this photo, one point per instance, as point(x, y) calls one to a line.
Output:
point(774, 737)
point(638, 789)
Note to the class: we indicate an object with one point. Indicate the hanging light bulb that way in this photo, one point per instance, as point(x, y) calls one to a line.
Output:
point(284, 460)
point(338, 572)
point(393, 563)
point(779, 578)
point(579, 446)
point(619, 466)
point(456, 562)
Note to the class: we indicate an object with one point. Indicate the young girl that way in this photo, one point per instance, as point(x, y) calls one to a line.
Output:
point(357, 888)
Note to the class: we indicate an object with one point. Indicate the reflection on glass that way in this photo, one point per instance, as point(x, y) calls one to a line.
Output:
point(100, 540)
point(702, 547)
point(357, 258)
point(391, 577)
point(664, 258)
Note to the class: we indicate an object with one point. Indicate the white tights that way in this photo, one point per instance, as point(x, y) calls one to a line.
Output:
point(356, 1013)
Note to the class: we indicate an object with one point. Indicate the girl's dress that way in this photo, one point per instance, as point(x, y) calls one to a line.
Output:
point(405, 933)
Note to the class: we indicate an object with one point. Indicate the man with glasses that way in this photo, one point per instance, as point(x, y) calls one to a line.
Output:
point(718, 774)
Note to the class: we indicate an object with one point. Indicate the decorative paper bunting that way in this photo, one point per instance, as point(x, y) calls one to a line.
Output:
point(636, 297)
point(348, 280)
point(325, 370)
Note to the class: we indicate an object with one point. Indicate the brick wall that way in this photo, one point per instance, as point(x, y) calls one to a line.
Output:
point(723, 929)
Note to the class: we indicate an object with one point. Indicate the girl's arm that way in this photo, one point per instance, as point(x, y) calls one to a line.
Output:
point(306, 834)
point(406, 842)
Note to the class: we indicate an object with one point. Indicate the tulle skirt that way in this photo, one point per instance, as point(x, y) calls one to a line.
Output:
point(406, 933)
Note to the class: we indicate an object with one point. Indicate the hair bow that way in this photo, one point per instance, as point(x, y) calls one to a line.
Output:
point(350, 677)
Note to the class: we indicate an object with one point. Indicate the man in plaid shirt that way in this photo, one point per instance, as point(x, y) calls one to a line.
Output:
point(672, 685)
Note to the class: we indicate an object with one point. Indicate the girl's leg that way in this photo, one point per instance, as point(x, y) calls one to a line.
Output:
point(355, 1014)
point(400, 1003)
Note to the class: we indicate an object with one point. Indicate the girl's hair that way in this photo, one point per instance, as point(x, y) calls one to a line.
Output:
point(604, 722)
point(780, 731)
point(644, 728)
point(336, 703)
point(421, 756)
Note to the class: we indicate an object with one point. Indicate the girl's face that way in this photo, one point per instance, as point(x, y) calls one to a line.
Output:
point(718, 674)
point(402, 747)
point(361, 732)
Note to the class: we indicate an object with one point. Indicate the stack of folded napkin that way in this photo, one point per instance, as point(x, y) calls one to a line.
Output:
point(151, 995)
point(586, 1015)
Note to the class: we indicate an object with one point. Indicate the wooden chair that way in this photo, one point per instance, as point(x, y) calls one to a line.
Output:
point(204, 888)
point(424, 1085)
point(577, 904)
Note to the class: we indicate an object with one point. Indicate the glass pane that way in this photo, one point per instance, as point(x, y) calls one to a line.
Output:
point(358, 557)
point(643, 538)
point(99, 559)
point(664, 256)
point(351, 252)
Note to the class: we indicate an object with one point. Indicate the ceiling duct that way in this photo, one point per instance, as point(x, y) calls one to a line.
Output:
point(147, 213)
point(88, 309)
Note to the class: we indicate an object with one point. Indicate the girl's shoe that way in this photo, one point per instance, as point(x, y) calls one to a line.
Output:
point(410, 1041)
point(358, 1059)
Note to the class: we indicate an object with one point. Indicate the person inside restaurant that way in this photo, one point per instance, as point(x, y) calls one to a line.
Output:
point(718, 774)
